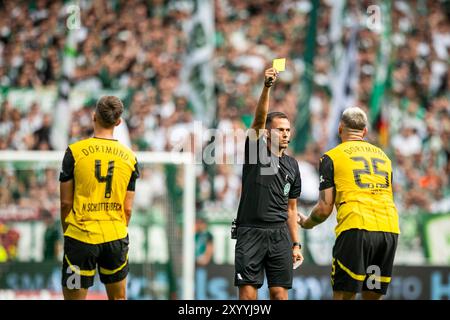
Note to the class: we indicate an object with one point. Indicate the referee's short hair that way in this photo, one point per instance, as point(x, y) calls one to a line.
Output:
point(274, 115)
point(354, 118)
point(108, 110)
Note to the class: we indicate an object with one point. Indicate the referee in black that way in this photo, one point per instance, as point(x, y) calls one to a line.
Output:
point(267, 232)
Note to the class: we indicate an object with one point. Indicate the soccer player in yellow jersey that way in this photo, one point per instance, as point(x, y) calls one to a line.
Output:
point(97, 190)
point(356, 177)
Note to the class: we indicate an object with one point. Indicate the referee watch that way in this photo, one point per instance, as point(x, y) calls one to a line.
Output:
point(296, 244)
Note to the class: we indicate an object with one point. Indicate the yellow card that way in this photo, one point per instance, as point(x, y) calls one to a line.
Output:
point(279, 64)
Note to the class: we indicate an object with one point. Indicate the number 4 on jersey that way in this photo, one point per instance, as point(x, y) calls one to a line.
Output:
point(107, 178)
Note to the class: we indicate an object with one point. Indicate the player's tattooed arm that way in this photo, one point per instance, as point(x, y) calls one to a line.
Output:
point(322, 209)
point(327, 197)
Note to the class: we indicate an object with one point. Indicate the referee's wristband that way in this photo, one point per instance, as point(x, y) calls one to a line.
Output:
point(296, 244)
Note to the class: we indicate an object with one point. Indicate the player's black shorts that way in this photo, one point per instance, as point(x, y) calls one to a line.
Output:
point(263, 249)
point(363, 261)
point(83, 258)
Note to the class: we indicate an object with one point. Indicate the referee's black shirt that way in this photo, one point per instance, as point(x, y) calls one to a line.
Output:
point(268, 182)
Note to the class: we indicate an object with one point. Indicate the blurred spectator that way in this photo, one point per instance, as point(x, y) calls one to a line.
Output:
point(308, 164)
point(227, 186)
point(52, 237)
point(42, 135)
point(407, 143)
point(9, 240)
point(203, 242)
point(146, 190)
point(3, 251)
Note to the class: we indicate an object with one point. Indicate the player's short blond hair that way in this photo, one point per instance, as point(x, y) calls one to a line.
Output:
point(354, 118)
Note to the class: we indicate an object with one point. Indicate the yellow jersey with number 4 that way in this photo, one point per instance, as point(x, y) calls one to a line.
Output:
point(103, 170)
point(362, 177)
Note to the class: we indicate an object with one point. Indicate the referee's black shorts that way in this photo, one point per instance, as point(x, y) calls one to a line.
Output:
point(260, 249)
point(81, 259)
point(363, 261)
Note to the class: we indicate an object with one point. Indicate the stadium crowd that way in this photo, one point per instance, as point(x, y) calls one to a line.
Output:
point(141, 46)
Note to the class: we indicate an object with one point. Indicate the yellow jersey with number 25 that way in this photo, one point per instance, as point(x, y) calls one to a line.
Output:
point(362, 176)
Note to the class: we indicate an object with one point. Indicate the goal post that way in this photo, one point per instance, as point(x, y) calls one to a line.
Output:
point(185, 160)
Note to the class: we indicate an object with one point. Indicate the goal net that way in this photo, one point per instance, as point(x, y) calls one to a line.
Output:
point(161, 231)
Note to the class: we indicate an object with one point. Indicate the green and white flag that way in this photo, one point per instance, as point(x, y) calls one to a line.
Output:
point(383, 62)
point(343, 87)
point(73, 25)
point(197, 74)
point(302, 123)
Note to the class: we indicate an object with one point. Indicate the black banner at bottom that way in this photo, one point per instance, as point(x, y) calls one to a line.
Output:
point(220, 309)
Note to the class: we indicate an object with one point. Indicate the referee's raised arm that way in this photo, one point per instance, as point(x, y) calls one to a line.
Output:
point(262, 109)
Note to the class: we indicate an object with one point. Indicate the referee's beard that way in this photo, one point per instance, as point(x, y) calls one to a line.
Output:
point(282, 145)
